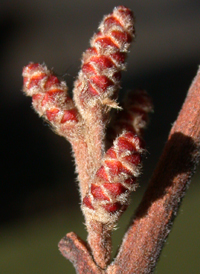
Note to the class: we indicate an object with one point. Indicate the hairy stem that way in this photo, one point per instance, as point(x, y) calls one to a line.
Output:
point(82, 167)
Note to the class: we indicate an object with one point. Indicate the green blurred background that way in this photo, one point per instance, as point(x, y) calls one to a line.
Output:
point(39, 200)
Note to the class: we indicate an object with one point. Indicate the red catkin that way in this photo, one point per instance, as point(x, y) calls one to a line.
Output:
point(103, 61)
point(116, 178)
point(50, 98)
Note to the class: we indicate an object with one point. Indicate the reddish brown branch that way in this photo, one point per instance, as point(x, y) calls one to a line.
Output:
point(75, 250)
point(145, 238)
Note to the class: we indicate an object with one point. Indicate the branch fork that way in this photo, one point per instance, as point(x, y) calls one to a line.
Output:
point(108, 164)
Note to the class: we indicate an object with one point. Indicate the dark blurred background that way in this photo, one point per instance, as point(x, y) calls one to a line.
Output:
point(39, 197)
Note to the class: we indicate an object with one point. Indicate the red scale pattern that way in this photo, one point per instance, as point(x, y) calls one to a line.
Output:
point(117, 175)
point(49, 95)
point(103, 61)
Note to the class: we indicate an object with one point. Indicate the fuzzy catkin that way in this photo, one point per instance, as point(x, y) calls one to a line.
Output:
point(108, 194)
point(98, 79)
point(50, 99)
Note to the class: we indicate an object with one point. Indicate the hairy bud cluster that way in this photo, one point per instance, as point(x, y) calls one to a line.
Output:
point(116, 178)
point(106, 179)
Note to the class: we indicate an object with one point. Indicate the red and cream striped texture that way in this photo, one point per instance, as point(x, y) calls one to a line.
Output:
point(108, 194)
point(50, 98)
point(99, 77)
